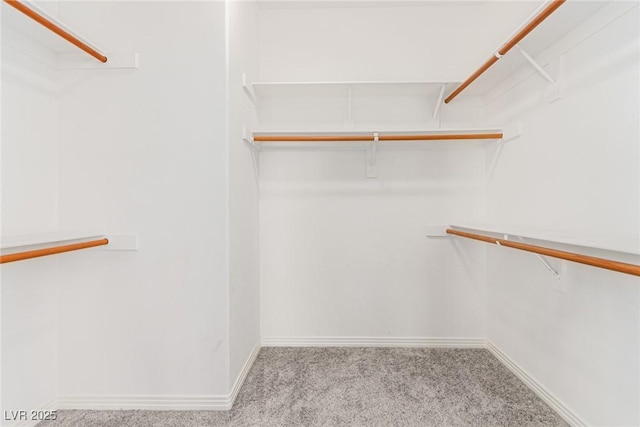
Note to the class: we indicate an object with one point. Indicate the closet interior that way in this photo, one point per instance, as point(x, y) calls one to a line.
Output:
point(185, 183)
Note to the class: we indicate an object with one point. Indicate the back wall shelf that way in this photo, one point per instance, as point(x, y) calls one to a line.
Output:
point(349, 90)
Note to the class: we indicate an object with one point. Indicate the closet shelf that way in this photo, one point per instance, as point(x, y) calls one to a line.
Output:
point(486, 234)
point(550, 23)
point(53, 25)
point(629, 246)
point(342, 88)
point(16, 248)
point(363, 139)
point(50, 36)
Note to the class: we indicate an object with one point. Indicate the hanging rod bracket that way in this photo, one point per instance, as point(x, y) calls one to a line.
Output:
point(249, 140)
point(439, 103)
point(255, 151)
point(372, 171)
point(247, 89)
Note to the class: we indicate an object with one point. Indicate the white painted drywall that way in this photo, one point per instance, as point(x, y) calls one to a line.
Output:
point(244, 269)
point(343, 256)
point(437, 41)
point(576, 169)
point(144, 151)
point(29, 176)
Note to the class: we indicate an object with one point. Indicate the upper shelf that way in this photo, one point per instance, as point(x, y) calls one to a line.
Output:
point(46, 29)
point(34, 247)
point(26, 26)
point(342, 88)
point(507, 240)
point(564, 17)
point(10, 244)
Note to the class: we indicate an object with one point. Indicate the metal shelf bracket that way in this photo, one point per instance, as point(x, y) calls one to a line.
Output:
point(255, 151)
point(540, 257)
point(544, 262)
point(554, 92)
point(439, 103)
point(247, 89)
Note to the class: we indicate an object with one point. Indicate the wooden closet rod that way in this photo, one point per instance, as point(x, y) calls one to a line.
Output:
point(555, 4)
point(56, 29)
point(18, 256)
point(569, 256)
point(351, 138)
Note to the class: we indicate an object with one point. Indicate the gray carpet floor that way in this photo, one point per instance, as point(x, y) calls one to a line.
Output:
point(358, 387)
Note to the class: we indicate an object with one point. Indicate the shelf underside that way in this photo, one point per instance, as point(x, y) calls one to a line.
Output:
point(600, 242)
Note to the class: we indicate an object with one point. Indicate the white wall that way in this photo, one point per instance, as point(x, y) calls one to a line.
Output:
point(383, 42)
point(158, 152)
point(342, 256)
point(576, 169)
point(29, 176)
point(244, 269)
point(155, 152)
point(144, 151)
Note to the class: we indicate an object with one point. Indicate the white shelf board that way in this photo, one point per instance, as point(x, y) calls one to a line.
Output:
point(17, 21)
point(16, 243)
point(629, 245)
point(560, 23)
point(340, 88)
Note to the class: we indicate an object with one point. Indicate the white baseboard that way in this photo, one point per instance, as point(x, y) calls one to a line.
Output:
point(148, 402)
point(424, 342)
point(163, 402)
point(549, 398)
point(243, 373)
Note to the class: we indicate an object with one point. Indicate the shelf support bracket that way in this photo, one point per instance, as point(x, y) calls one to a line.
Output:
point(247, 89)
point(544, 261)
point(371, 157)
point(255, 151)
point(540, 258)
point(439, 103)
point(554, 92)
point(549, 267)
point(536, 65)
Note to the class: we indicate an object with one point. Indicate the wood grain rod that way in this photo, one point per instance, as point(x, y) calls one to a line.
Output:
point(369, 138)
point(531, 25)
point(19, 256)
point(569, 256)
point(56, 29)
point(442, 137)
